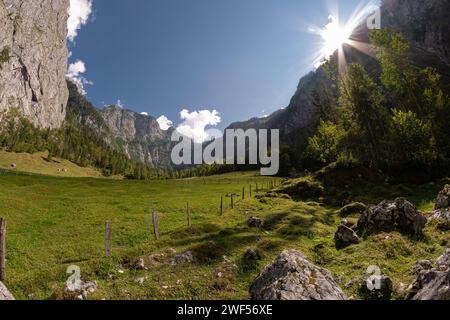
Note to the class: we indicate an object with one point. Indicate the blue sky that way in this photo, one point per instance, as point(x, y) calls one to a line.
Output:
point(243, 58)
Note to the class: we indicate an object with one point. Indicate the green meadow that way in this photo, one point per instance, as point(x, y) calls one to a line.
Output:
point(56, 222)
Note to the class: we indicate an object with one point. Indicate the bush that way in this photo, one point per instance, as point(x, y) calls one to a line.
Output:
point(304, 187)
point(410, 140)
point(323, 147)
point(5, 56)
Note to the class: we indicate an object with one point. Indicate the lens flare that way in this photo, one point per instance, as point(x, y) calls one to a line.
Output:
point(335, 34)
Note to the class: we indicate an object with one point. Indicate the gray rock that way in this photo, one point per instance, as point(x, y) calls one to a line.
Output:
point(255, 222)
point(347, 223)
point(4, 293)
point(253, 255)
point(34, 78)
point(186, 257)
point(443, 262)
point(433, 284)
point(352, 208)
point(442, 209)
point(388, 216)
point(422, 265)
point(443, 198)
point(80, 289)
point(292, 277)
point(140, 136)
point(442, 216)
point(345, 237)
point(140, 264)
point(377, 288)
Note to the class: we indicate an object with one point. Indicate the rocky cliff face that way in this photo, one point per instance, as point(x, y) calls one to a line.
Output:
point(138, 136)
point(424, 23)
point(33, 78)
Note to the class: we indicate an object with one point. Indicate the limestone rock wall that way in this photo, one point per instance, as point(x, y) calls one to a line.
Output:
point(34, 78)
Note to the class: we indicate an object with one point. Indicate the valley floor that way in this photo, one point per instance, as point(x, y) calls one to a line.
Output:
point(54, 223)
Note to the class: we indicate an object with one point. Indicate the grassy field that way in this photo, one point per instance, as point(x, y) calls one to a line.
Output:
point(39, 164)
point(57, 222)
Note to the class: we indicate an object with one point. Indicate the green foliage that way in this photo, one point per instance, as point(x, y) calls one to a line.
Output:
point(394, 123)
point(411, 140)
point(365, 115)
point(324, 146)
point(398, 75)
point(18, 134)
point(80, 144)
point(5, 56)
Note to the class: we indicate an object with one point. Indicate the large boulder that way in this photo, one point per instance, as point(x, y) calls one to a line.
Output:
point(4, 293)
point(388, 216)
point(442, 216)
point(345, 237)
point(292, 277)
point(442, 209)
point(433, 284)
point(443, 198)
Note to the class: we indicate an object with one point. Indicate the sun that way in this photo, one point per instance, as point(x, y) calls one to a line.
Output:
point(334, 35)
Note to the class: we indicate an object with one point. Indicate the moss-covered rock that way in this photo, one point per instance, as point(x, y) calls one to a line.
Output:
point(352, 208)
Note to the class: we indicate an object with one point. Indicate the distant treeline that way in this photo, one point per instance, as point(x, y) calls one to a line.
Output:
point(85, 146)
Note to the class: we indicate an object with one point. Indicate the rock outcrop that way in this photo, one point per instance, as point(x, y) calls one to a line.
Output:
point(388, 216)
point(345, 237)
point(441, 214)
point(186, 257)
point(352, 208)
point(4, 293)
point(433, 284)
point(255, 222)
point(292, 277)
point(139, 136)
point(443, 199)
point(33, 80)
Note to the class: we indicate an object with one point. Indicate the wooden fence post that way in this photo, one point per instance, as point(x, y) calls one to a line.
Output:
point(2, 248)
point(155, 225)
point(250, 190)
point(221, 205)
point(232, 201)
point(243, 193)
point(189, 215)
point(108, 233)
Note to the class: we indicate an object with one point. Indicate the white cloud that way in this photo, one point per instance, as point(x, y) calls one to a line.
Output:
point(75, 74)
point(164, 123)
point(144, 113)
point(119, 104)
point(194, 123)
point(79, 13)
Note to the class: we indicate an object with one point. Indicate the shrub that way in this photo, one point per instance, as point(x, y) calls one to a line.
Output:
point(5, 56)
point(410, 140)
